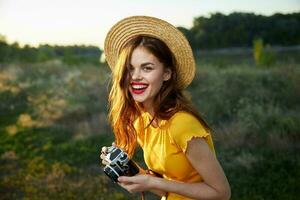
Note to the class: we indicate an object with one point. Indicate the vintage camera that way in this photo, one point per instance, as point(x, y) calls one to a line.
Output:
point(119, 164)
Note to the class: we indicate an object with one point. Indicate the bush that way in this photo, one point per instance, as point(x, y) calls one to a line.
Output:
point(263, 55)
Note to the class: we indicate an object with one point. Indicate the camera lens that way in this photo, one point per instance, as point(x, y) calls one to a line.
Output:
point(111, 173)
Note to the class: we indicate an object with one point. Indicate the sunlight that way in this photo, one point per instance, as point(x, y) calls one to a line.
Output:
point(68, 22)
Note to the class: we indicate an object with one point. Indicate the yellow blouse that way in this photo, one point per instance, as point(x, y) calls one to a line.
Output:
point(164, 147)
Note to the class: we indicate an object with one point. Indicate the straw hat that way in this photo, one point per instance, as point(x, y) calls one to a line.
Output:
point(128, 28)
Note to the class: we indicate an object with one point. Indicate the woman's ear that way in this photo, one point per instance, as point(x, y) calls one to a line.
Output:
point(167, 74)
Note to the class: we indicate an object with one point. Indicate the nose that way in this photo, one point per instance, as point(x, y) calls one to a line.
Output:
point(136, 74)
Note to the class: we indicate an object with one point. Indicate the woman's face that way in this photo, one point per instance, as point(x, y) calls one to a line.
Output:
point(147, 75)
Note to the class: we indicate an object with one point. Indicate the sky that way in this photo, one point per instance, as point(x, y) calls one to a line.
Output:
point(86, 22)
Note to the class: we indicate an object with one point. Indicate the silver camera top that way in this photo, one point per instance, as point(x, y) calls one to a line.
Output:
point(117, 156)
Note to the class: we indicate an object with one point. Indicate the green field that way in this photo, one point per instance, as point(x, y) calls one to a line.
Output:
point(53, 124)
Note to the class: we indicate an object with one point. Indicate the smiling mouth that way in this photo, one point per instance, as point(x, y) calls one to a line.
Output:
point(138, 88)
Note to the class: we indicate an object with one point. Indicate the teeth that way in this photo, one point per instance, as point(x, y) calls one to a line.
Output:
point(139, 87)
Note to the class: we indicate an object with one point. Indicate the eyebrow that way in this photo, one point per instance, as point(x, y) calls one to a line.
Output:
point(143, 64)
point(146, 63)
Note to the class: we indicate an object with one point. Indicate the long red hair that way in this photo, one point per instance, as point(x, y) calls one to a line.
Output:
point(123, 110)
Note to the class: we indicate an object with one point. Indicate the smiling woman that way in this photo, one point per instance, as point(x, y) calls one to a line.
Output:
point(147, 73)
point(152, 64)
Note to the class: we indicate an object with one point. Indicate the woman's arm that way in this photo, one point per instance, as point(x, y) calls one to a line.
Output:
point(142, 177)
point(214, 185)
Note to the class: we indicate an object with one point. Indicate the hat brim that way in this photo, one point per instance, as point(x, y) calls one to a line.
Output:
point(125, 30)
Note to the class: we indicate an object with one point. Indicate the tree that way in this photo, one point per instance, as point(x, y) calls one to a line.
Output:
point(4, 49)
point(240, 29)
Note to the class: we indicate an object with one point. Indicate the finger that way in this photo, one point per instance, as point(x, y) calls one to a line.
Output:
point(113, 144)
point(102, 156)
point(104, 150)
point(104, 162)
point(122, 180)
point(104, 159)
point(129, 187)
point(126, 179)
point(124, 185)
point(132, 188)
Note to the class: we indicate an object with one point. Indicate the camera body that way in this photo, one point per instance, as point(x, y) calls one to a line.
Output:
point(119, 164)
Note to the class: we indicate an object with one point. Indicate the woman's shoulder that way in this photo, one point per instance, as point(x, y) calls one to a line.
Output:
point(183, 118)
point(184, 121)
point(183, 126)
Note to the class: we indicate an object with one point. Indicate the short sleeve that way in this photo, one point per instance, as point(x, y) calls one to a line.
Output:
point(184, 127)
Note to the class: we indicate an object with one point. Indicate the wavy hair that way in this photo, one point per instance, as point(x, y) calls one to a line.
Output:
point(123, 110)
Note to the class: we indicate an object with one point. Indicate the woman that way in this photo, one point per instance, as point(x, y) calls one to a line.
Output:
point(152, 63)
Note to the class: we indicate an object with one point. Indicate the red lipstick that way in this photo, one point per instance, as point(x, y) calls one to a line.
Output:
point(138, 88)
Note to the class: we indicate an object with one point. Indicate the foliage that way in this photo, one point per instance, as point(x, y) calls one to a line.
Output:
point(72, 55)
point(240, 29)
point(263, 55)
point(262, 174)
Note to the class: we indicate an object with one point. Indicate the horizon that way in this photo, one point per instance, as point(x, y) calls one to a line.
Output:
point(67, 23)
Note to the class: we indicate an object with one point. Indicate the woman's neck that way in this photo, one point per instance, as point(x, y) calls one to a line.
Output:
point(148, 107)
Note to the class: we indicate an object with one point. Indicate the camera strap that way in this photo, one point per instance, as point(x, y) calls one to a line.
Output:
point(143, 196)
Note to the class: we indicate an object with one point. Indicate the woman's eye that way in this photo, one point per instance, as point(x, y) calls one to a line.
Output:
point(147, 68)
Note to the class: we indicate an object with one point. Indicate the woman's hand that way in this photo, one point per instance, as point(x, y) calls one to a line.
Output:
point(137, 183)
point(103, 154)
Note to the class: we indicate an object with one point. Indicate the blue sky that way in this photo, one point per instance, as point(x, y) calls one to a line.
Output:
point(67, 22)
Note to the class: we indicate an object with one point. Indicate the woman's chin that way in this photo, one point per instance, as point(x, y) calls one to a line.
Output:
point(139, 100)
